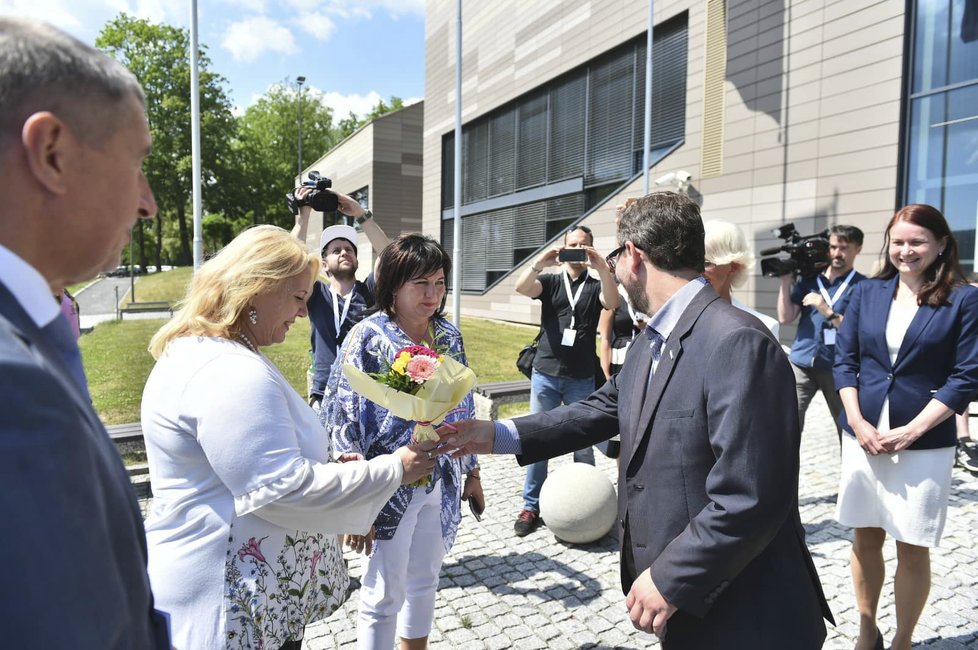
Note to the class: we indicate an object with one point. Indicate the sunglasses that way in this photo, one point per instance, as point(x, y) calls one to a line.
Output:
point(612, 259)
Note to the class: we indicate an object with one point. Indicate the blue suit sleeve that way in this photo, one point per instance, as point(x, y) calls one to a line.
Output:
point(962, 384)
point(845, 371)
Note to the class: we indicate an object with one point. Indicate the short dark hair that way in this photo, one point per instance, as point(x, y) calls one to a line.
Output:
point(406, 258)
point(668, 227)
point(583, 229)
point(945, 272)
point(850, 234)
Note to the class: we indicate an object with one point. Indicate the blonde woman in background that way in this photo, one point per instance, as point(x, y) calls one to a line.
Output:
point(728, 259)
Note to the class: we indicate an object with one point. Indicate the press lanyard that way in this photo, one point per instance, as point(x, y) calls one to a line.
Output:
point(825, 294)
point(338, 318)
point(573, 299)
point(631, 311)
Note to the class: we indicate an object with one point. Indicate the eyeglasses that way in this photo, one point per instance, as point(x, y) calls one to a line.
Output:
point(707, 264)
point(612, 259)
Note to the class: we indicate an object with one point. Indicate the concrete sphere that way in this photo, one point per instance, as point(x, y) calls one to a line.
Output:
point(578, 503)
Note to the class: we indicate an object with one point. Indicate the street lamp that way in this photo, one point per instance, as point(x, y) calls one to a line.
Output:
point(300, 80)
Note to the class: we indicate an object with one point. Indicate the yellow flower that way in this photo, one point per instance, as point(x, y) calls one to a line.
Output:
point(400, 363)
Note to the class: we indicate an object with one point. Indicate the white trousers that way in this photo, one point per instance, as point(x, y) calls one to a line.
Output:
point(401, 577)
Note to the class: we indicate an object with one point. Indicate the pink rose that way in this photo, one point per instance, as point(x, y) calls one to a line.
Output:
point(421, 367)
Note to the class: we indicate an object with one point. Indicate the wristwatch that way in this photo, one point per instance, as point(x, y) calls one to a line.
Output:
point(365, 217)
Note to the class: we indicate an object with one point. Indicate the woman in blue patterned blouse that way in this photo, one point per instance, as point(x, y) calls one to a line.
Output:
point(418, 525)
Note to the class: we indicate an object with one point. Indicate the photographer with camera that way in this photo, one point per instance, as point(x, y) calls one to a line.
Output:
point(820, 299)
point(336, 305)
point(565, 363)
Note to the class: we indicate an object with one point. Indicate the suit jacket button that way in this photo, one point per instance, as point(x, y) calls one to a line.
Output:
point(889, 377)
point(639, 486)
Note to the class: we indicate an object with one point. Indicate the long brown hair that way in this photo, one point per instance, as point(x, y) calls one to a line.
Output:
point(945, 272)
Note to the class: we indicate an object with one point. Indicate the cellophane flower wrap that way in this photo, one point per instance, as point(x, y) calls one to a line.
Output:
point(420, 384)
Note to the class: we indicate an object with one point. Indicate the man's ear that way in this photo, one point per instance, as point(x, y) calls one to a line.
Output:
point(634, 256)
point(47, 145)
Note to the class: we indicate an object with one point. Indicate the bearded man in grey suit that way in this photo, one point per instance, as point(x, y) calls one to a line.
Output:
point(73, 136)
point(713, 551)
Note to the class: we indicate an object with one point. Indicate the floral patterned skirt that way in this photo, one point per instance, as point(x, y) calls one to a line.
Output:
point(275, 585)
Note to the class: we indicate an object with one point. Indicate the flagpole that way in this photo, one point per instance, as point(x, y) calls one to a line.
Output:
point(457, 225)
point(195, 137)
point(647, 141)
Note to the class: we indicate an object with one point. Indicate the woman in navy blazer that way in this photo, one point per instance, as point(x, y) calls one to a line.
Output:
point(906, 359)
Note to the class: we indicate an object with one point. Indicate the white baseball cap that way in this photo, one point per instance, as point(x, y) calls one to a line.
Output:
point(348, 233)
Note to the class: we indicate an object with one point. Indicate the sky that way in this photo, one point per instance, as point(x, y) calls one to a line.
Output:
point(354, 52)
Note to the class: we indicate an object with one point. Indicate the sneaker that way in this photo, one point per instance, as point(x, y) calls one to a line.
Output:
point(526, 523)
point(966, 455)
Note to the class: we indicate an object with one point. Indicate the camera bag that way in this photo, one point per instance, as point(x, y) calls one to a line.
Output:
point(524, 361)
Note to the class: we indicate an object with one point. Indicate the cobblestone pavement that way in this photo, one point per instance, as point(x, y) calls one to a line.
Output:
point(499, 591)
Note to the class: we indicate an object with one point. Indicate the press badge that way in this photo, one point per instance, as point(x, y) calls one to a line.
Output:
point(569, 336)
point(828, 336)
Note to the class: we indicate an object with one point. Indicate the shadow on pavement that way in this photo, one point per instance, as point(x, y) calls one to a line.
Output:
point(950, 643)
point(497, 572)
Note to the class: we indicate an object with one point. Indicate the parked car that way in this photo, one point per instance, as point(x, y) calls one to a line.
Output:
point(122, 271)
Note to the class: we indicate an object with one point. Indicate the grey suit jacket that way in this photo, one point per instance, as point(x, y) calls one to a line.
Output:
point(74, 548)
point(708, 480)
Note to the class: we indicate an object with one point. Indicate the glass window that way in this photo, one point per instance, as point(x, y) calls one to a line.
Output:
point(584, 127)
point(942, 154)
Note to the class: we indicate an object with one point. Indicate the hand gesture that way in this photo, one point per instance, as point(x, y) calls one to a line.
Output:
point(473, 488)
point(300, 194)
point(361, 543)
point(897, 439)
point(418, 461)
point(595, 260)
point(868, 437)
point(647, 608)
point(347, 205)
point(468, 436)
point(549, 258)
point(815, 300)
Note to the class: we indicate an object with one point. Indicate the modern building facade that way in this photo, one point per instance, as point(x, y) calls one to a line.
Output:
point(813, 112)
point(379, 165)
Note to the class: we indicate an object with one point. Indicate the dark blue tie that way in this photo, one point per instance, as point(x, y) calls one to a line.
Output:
point(655, 342)
point(61, 336)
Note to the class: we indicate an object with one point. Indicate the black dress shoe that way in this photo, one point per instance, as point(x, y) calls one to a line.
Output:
point(879, 640)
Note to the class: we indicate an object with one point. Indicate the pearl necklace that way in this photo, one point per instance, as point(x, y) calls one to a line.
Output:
point(241, 336)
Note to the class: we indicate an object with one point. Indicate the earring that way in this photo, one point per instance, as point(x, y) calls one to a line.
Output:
point(253, 316)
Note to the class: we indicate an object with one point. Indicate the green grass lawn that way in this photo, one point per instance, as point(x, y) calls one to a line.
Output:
point(168, 286)
point(118, 363)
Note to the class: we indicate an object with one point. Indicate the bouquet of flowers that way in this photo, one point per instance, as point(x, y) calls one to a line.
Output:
point(419, 384)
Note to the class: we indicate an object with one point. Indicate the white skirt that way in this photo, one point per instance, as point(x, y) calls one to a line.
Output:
point(904, 493)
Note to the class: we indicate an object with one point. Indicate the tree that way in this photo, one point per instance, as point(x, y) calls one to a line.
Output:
point(351, 123)
point(159, 57)
point(267, 147)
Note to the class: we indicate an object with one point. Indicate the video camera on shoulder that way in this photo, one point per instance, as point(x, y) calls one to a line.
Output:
point(807, 256)
point(320, 199)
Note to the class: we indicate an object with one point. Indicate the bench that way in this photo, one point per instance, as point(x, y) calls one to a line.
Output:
point(488, 397)
point(126, 433)
point(145, 307)
point(129, 438)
